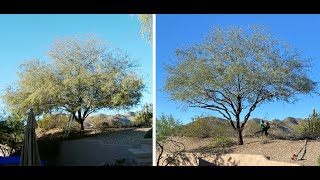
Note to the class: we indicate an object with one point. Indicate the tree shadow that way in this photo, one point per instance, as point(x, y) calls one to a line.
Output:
point(210, 149)
point(218, 161)
point(199, 159)
point(210, 156)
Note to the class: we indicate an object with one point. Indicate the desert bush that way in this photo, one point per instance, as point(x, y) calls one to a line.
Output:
point(205, 127)
point(223, 142)
point(167, 126)
point(310, 127)
point(144, 117)
point(197, 128)
point(11, 133)
point(53, 121)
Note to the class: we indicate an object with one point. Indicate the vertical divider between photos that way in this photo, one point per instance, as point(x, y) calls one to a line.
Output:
point(154, 89)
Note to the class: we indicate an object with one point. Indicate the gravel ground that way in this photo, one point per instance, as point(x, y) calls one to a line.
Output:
point(277, 150)
point(120, 136)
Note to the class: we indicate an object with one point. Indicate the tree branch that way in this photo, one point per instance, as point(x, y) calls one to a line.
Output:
point(181, 148)
point(221, 101)
point(254, 105)
point(161, 152)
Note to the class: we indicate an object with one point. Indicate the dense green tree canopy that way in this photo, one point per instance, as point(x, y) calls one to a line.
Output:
point(82, 76)
point(233, 70)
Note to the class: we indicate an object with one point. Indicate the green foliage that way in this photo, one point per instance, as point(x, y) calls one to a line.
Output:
point(223, 142)
point(310, 127)
point(167, 126)
point(199, 128)
point(146, 21)
point(82, 76)
point(205, 127)
point(234, 70)
point(144, 117)
point(53, 121)
point(11, 132)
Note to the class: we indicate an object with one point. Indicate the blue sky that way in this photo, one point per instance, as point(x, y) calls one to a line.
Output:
point(174, 31)
point(23, 37)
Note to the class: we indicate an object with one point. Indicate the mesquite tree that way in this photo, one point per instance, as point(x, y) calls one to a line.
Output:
point(82, 76)
point(234, 70)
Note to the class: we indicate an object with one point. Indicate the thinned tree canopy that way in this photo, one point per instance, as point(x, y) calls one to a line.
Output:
point(234, 69)
point(146, 31)
point(82, 76)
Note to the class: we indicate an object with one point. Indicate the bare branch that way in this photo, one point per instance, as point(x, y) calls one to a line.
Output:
point(161, 152)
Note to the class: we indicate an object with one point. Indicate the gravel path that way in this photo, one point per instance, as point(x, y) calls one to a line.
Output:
point(277, 150)
point(120, 136)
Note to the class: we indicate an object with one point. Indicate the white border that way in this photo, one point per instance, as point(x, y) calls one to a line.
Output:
point(154, 89)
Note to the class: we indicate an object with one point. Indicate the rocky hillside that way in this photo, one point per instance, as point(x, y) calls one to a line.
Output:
point(283, 129)
point(279, 128)
point(101, 119)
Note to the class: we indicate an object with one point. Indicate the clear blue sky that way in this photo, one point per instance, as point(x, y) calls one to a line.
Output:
point(23, 37)
point(174, 31)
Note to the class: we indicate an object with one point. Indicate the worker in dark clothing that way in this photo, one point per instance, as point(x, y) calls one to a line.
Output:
point(264, 127)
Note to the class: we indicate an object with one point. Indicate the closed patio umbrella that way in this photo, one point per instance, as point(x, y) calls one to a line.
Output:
point(30, 152)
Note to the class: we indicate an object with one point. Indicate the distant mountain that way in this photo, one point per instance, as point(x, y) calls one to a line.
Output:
point(278, 128)
point(110, 119)
point(283, 129)
point(291, 120)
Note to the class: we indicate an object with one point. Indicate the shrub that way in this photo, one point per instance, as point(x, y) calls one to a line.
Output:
point(167, 126)
point(53, 121)
point(144, 117)
point(198, 128)
point(223, 142)
point(205, 127)
point(310, 127)
point(11, 133)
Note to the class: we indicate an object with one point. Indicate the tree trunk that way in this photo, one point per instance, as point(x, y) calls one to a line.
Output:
point(81, 123)
point(240, 140)
point(3, 150)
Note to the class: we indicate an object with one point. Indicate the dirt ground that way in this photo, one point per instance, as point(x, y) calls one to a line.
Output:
point(277, 150)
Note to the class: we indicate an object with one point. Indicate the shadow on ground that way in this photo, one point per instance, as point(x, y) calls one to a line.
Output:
point(209, 149)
